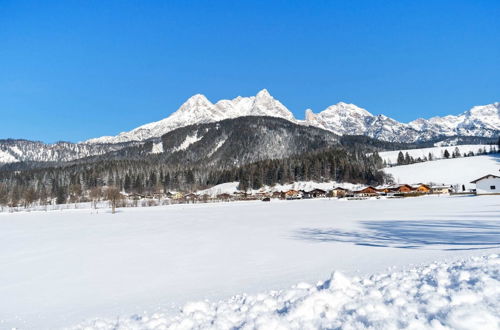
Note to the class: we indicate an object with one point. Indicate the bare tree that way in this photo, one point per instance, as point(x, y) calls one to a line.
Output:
point(113, 195)
point(29, 196)
point(95, 195)
point(75, 192)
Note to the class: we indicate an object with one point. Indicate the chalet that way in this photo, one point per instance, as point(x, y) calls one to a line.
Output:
point(404, 188)
point(240, 194)
point(158, 195)
point(422, 188)
point(293, 194)
point(487, 185)
point(304, 194)
point(278, 194)
point(440, 189)
point(315, 193)
point(205, 197)
point(190, 196)
point(367, 191)
point(224, 196)
point(261, 194)
point(339, 192)
point(177, 195)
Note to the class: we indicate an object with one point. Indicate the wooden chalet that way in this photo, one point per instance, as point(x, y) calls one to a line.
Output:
point(292, 194)
point(224, 197)
point(315, 193)
point(339, 192)
point(404, 188)
point(367, 191)
point(422, 188)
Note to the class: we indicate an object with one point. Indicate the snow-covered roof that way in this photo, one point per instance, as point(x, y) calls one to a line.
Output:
point(488, 176)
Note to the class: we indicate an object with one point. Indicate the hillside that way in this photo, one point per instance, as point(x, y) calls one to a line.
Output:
point(436, 152)
point(459, 171)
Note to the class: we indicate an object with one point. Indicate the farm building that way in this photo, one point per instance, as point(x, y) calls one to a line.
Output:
point(422, 188)
point(487, 185)
point(293, 194)
point(368, 191)
point(339, 192)
point(440, 189)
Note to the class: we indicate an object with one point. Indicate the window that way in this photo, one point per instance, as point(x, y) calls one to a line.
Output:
point(492, 187)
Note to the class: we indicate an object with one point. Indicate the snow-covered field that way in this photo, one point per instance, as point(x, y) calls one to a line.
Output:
point(391, 157)
point(459, 171)
point(463, 294)
point(61, 268)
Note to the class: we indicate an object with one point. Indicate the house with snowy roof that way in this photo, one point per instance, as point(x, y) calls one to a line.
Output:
point(487, 185)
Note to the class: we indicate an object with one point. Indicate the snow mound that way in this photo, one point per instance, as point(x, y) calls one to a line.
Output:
point(462, 294)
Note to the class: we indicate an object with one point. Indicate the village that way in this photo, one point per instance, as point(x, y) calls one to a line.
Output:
point(486, 185)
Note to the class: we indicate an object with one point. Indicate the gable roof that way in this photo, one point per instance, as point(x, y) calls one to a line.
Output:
point(488, 176)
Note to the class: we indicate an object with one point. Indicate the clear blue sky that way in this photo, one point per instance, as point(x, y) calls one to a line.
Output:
point(72, 70)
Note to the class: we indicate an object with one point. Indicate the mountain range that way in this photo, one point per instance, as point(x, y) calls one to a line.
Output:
point(340, 119)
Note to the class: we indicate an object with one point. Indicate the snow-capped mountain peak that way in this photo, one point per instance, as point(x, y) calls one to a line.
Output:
point(199, 110)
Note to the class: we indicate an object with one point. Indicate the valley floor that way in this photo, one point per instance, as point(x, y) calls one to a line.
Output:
point(61, 268)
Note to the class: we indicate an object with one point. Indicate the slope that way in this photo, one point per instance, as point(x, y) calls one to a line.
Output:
point(459, 171)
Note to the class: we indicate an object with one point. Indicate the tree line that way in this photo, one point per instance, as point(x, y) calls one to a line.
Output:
point(90, 182)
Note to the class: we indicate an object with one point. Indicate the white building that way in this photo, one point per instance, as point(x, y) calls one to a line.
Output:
point(487, 185)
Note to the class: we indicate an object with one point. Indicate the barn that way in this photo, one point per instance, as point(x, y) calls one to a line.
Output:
point(487, 185)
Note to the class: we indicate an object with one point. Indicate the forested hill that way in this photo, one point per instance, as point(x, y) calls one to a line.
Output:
point(253, 150)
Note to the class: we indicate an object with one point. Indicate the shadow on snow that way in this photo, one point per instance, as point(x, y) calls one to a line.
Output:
point(446, 235)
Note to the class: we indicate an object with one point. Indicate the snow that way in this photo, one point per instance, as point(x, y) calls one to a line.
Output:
point(6, 157)
point(462, 294)
point(232, 187)
point(217, 146)
point(198, 110)
point(60, 268)
point(341, 118)
point(190, 139)
point(391, 157)
point(453, 171)
point(223, 188)
point(157, 148)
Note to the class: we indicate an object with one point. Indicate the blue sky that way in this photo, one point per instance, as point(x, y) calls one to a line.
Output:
point(72, 70)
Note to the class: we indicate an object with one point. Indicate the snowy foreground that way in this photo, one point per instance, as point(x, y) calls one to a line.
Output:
point(455, 295)
point(63, 268)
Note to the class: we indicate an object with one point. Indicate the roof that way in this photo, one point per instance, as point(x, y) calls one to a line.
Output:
point(488, 176)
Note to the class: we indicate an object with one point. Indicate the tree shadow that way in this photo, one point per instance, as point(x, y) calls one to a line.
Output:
point(445, 235)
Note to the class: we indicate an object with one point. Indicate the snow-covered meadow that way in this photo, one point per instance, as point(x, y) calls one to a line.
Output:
point(455, 171)
point(391, 157)
point(62, 268)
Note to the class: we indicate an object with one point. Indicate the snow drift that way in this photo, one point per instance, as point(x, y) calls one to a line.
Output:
point(459, 295)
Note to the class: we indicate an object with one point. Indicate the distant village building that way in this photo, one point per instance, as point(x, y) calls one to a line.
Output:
point(293, 194)
point(404, 188)
point(315, 193)
point(278, 194)
point(440, 189)
point(368, 191)
point(339, 192)
point(487, 185)
point(422, 188)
